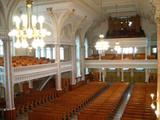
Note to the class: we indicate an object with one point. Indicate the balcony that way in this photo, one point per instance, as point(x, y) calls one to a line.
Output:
point(121, 63)
point(27, 73)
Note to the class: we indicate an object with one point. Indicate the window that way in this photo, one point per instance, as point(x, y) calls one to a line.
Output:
point(42, 52)
point(154, 50)
point(86, 47)
point(48, 52)
point(38, 52)
point(86, 71)
point(54, 53)
point(1, 48)
point(61, 53)
point(128, 50)
point(139, 69)
point(78, 62)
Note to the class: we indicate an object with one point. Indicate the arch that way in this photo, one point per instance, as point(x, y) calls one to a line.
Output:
point(64, 17)
point(2, 15)
point(66, 33)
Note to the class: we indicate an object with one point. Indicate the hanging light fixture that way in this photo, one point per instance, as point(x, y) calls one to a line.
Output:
point(101, 45)
point(29, 27)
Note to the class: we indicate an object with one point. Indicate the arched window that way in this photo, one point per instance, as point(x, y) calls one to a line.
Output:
point(38, 52)
point(86, 52)
point(78, 56)
point(61, 53)
point(86, 47)
point(48, 52)
point(54, 53)
point(1, 48)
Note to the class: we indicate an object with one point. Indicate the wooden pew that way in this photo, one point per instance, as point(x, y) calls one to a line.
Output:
point(105, 105)
point(138, 107)
point(68, 104)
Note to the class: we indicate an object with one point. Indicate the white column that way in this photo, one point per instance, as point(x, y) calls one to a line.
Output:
point(103, 75)
point(30, 84)
point(118, 72)
point(73, 53)
point(146, 75)
point(121, 53)
point(45, 52)
point(122, 75)
point(20, 87)
point(82, 62)
point(132, 72)
point(146, 53)
point(134, 54)
point(51, 48)
point(9, 88)
point(100, 75)
point(149, 46)
point(58, 78)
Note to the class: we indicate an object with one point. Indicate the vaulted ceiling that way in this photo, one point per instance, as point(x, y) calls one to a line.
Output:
point(90, 8)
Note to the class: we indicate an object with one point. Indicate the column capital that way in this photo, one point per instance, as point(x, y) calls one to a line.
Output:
point(156, 7)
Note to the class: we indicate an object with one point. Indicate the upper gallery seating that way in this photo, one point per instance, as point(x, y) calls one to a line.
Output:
point(105, 105)
point(69, 103)
point(138, 107)
point(138, 56)
point(25, 61)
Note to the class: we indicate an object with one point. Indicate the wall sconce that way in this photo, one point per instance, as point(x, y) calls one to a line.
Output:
point(154, 104)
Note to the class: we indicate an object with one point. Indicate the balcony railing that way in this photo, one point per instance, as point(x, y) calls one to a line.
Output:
point(66, 66)
point(26, 73)
point(121, 63)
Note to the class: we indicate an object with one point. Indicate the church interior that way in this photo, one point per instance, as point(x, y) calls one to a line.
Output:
point(79, 59)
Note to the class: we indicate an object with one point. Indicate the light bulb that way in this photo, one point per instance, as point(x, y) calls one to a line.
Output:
point(41, 19)
point(41, 43)
point(157, 113)
point(29, 33)
point(34, 44)
point(16, 19)
point(101, 36)
point(34, 20)
point(24, 44)
point(153, 106)
point(17, 44)
point(48, 33)
point(117, 43)
point(43, 32)
point(24, 20)
point(13, 33)
point(152, 95)
point(135, 50)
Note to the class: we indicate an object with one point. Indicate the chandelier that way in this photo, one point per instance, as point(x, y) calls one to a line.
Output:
point(29, 27)
point(101, 45)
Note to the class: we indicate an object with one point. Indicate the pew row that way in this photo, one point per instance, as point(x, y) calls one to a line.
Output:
point(138, 107)
point(105, 105)
point(68, 104)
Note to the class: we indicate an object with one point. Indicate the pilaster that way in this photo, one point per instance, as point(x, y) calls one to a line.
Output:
point(9, 88)
point(73, 53)
point(58, 80)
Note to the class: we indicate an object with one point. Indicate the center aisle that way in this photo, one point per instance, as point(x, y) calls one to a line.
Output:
point(124, 102)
